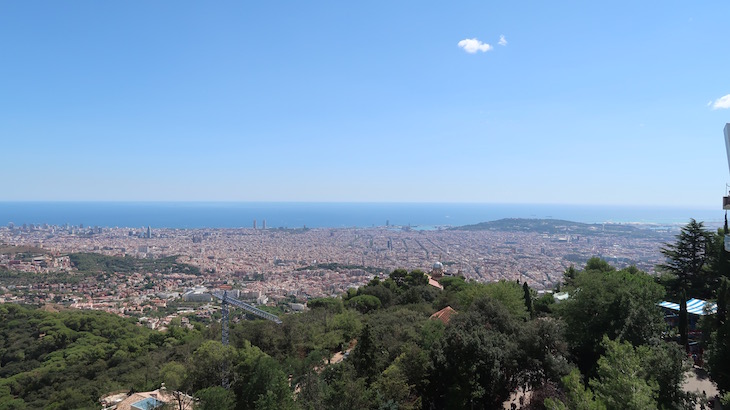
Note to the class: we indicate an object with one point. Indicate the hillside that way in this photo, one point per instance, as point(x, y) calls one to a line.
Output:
point(71, 358)
point(559, 226)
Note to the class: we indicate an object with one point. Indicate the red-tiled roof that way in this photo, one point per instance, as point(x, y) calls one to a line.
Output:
point(444, 315)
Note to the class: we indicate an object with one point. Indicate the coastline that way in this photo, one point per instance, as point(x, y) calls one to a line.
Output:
point(186, 215)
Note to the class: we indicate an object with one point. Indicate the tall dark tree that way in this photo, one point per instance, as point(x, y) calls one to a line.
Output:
point(724, 256)
point(363, 357)
point(718, 355)
point(683, 321)
point(718, 264)
point(686, 258)
point(723, 292)
point(528, 298)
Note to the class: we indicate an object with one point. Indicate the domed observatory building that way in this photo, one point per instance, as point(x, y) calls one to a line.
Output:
point(437, 270)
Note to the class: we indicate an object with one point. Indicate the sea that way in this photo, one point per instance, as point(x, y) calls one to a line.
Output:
point(187, 215)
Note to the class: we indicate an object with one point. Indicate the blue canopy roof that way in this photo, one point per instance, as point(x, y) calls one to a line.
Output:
point(694, 306)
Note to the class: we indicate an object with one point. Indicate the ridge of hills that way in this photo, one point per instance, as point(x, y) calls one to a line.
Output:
point(560, 226)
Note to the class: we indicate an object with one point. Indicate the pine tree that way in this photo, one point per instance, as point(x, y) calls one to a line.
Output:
point(364, 358)
point(686, 258)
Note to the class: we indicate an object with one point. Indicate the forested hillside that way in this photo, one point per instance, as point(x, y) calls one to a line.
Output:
point(69, 359)
point(559, 226)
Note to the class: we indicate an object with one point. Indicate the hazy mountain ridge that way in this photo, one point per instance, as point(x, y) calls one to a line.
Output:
point(559, 226)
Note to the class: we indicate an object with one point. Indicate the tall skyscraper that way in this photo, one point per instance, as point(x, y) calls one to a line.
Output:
point(264, 224)
point(149, 232)
point(254, 224)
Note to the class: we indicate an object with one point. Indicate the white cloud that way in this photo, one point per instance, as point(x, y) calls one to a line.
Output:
point(502, 40)
point(472, 45)
point(722, 102)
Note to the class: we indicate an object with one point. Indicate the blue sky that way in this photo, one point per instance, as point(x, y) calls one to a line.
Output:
point(583, 102)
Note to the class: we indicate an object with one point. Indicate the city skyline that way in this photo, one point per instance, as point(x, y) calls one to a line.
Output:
point(566, 103)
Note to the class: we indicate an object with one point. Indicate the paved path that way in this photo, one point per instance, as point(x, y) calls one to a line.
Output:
point(697, 380)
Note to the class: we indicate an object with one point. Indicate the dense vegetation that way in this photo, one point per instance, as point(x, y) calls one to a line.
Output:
point(93, 262)
point(339, 266)
point(605, 347)
point(67, 360)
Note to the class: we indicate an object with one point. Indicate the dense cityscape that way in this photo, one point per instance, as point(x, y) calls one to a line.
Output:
point(275, 265)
